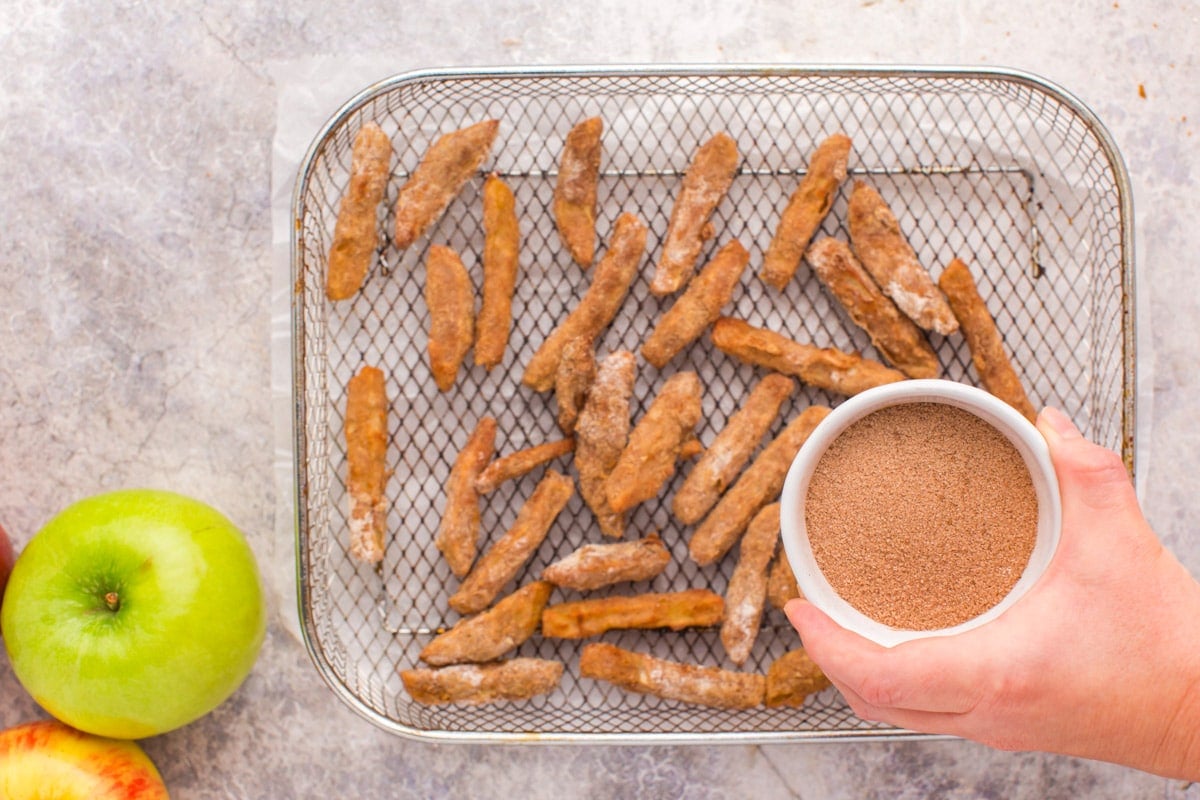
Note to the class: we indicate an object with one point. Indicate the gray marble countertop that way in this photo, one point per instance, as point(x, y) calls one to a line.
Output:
point(136, 188)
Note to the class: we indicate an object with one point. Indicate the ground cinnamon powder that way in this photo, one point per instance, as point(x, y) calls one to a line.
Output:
point(921, 515)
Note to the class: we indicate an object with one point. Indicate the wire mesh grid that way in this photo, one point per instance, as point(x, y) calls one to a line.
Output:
point(998, 169)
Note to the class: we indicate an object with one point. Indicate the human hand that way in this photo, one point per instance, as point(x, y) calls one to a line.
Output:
point(1101, 659)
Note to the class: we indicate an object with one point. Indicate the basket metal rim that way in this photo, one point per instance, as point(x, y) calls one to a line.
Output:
point(1039, 83)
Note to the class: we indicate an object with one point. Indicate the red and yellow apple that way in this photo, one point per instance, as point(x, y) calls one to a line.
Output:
point(48, 759)
point(6, 560)
point(134, 612)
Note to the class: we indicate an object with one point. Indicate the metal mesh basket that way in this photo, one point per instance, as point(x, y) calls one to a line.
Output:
point(1011, 174)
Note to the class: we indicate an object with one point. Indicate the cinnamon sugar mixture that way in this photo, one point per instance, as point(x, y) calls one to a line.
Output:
point(921, 515)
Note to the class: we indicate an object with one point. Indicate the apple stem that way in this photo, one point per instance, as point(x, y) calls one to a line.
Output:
point(112, 600)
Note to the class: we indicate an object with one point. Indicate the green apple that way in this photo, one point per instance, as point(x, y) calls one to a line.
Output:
point(134, 612)
point(45, 759)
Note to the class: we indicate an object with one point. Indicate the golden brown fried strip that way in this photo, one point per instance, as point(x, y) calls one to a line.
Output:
point(614, 275)
point(699, 306)
point(443, 170)
point(458, 534)
point(366, 454)
point(691, 447)
point(519, 463)
point(515, 679)
point(492, 633)
point(638, 672)
point(572, 381)
point(781, 584)
point(731, 449)
point(505, 558)
point(792, 677)
point(895, 336)
point(758, 485)
point(887, 255)
point(596, 565)
point(601, 433)
point(807, 207)
point(356, 234)
point(824, 367)
point(675, 610)
point(501, 243)
point(747, 590)
point(650, 458)
point(451, 301)
point(983, 338)
point(708, 178)
point(575, 190)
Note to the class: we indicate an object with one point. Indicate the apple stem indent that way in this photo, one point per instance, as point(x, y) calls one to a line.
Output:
point(112, 600)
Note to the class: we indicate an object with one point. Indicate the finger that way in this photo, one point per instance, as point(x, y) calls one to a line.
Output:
point(1092, 480)
point(1098, 499)
point(937, 722)
point(941, 674)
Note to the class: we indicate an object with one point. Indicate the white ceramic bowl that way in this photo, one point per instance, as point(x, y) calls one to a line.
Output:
point(1023, 435)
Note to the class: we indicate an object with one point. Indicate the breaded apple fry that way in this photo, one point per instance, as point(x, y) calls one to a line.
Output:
point(601, 433)
point(492, 633)
point(807, 207)
point(699, 305)
point(708, 178)
point(614, 275)
point(651, 456)
point(689, 683)
point(731, 449)
point(895, 336)
point(458, 534)
point(451, 302)
point(824, 367)
point(501, 562)
point(575, 190)
point(517, 464)
point(995, 371)
point(515, 679)
point(366, 456)
point(356, 233)
point(596, 565)
point(580, 619)
point(792, 677)
point(573, 380)
point(757, 486)
point(691, 447)
point(443, 170)
point(887, 255)
point(501, 243)
point(747, 589)
point(781, 583)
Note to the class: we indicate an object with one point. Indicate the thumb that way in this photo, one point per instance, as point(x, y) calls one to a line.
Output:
point(1092, 480)
point(938, 675)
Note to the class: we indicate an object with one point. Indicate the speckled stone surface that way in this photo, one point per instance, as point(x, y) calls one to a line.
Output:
point(135, 342)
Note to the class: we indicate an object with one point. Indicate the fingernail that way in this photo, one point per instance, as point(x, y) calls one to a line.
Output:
point(795, 602)
point(793, 608)
point(1058, 423)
